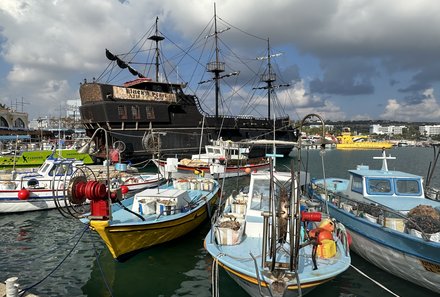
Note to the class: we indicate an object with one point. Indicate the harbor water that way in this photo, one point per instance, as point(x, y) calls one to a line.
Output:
point(63, 258)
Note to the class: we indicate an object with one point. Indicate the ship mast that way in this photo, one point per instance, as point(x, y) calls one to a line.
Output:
point(216, 67)
point(157, 38)
point(269, 77)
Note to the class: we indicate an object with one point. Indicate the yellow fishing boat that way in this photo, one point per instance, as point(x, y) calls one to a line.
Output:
point(151, 217)
point(360, 142)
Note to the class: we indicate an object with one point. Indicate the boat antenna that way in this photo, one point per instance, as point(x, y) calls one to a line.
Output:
point(157, 38)
point(384, 159)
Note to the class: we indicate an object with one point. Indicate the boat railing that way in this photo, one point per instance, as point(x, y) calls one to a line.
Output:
point(374, 213)
point(206, 115)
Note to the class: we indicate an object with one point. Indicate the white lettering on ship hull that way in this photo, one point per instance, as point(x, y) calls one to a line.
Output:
point(130, 94)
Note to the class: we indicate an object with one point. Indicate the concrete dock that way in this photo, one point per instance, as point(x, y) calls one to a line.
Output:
point(3, 291)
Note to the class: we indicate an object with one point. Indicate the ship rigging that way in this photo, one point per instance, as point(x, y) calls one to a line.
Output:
point(138, 110)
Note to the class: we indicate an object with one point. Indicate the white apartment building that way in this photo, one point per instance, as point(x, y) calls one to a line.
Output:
point(389, 130)
point(429, 130)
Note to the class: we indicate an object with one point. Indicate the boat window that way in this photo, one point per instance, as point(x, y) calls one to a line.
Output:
point(378, 186)
point(45, 167)
point(407, 186)
point(150, 113)
point(356, 185)
point(217, 151)
point(61, 170)
point(260, 195)
point(233, 152)
point(135, 112)
point(122, 112)
point(209, 150)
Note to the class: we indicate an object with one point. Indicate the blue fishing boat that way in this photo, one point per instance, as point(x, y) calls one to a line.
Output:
point(391, 222)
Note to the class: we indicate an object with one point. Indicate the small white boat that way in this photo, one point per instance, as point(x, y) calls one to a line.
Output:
point(46, 187)
point(222, 159)
point(391, 222)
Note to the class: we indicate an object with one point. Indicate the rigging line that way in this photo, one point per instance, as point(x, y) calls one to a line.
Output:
point(242, 31)
point(374, 281)
point(105, 70)
point(187, 51)
point(238, 58)
point(22, 292)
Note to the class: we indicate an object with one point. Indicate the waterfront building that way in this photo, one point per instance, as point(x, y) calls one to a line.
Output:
point(429, 130)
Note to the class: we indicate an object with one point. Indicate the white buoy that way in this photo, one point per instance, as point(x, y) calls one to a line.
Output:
point(12, 287)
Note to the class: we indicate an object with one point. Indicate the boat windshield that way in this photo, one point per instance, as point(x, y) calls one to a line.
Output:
point(60, 170)
point(407, 186)
point(378, 186)
point(393, 186)
point(260, 194)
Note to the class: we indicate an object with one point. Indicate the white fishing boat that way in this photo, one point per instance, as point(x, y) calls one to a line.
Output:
point(222, 159)
point(270, 244)
point(45, 188)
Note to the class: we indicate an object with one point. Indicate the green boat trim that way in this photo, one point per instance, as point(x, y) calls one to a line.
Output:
point(36, 158)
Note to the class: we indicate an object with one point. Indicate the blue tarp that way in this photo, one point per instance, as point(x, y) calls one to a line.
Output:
point(14, 137)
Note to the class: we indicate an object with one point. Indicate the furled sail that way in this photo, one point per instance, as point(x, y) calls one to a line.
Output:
point(109, 55)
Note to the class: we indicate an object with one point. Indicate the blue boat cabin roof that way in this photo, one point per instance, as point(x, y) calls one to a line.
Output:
point(365, 172)
point(402, 199)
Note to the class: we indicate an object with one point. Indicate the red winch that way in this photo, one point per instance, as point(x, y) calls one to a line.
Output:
point(97, 193)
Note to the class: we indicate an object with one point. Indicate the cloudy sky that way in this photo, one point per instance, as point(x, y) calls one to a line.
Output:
point(347, 59)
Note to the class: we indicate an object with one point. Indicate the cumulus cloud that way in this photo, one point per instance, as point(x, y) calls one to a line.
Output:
point(425, 109)
point(367, 48)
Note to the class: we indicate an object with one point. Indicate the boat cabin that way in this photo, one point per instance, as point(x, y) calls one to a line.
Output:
point(58, 167)
point(394, 189)
point(221, 149)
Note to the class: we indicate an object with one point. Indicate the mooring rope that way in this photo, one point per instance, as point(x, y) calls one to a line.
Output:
point(22, 292)
point(215, 276)
point(374, 281)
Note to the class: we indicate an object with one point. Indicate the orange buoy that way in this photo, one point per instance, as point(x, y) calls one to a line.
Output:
point(327, 224)
point(23, 194)
point(247, 170)
point(321, 234)
point(124, 189)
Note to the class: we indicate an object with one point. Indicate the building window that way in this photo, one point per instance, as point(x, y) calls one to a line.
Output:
point(18, 123)
point(3, 122)
point(122, 112)
point(135, 112)
point(150, 113)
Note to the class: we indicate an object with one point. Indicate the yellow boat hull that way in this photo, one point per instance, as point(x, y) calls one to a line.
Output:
point(364, 145)
point(125, 239)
